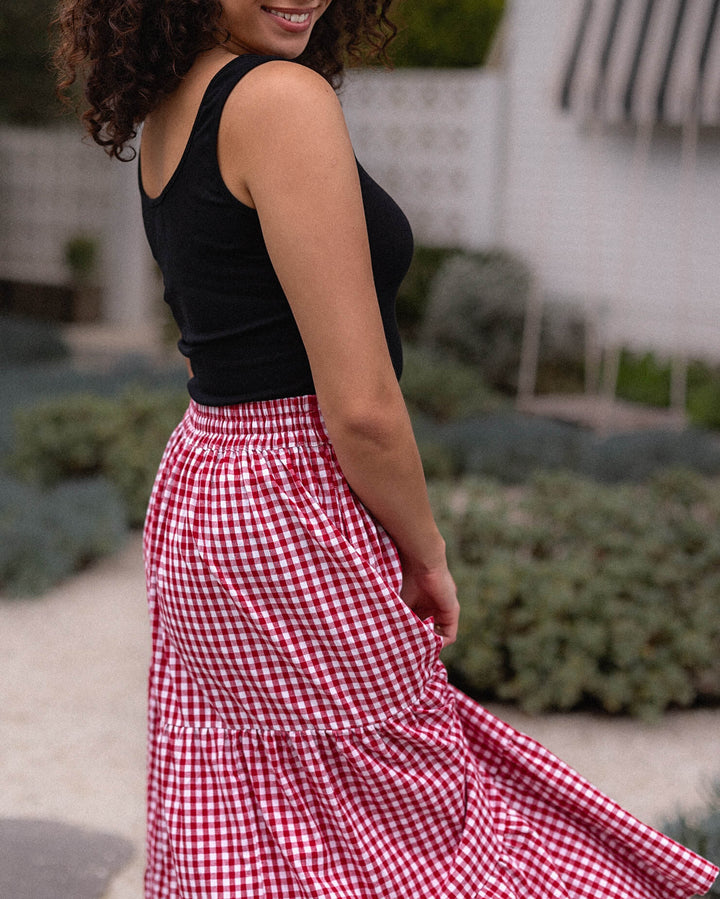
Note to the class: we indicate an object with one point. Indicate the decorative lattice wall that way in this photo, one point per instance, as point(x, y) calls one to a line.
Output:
point(430, 139)
point(52, 187)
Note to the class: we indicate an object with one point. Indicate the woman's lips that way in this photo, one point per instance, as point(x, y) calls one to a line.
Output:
point(292, 20)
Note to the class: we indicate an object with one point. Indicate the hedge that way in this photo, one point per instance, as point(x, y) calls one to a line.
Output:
point(439, 34)
point(443, 388)
point(86, 435)
point(576, 594)
point(512, 447)
point(27, 342)
point(701, 834)
point(46, 535)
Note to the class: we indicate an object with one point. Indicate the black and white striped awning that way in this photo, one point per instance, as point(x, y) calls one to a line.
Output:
point(645, 61)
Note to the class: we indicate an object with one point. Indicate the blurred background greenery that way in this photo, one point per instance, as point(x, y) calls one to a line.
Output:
point(27, 93)
point(433, 33)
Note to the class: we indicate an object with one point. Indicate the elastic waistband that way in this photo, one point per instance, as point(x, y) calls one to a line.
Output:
point(279, 422)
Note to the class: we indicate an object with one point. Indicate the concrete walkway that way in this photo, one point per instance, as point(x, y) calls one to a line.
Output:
point(72, 700)
point(73, 707)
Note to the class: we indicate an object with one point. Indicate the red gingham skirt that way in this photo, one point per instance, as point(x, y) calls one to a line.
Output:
point(303, 740)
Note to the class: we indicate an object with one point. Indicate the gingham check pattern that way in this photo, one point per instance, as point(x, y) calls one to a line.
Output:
point(303, 740)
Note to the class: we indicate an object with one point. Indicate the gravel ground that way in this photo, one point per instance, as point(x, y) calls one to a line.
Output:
point(73, 729)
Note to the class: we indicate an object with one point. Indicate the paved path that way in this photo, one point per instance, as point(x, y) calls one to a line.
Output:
point(72, 697)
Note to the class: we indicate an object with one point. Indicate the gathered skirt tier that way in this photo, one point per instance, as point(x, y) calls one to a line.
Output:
point(304, 742)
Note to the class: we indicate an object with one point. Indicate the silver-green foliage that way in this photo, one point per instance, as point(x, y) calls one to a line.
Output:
point(46, 535)
point(86, 435)
point(701, 833)
point(24, 342)
point(476, 312)
point(443, 388)
point(513, 447)
point(575, 593)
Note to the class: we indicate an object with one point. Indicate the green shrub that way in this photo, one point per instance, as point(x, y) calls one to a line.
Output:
point(27, 95)
point(28, 385)
point(575, 593)
point(637, 455)
point(703, 407)
point(80, 254)
point(27, 342)
point(642, 378)
point(132, 458)
point(46, 535)
point(512, 447)
point(476, 312)
point(86, 435)
point(443, 388)
point(63, 439)
point(647, 379)
point(703, 403)
point(702, 836)
point(413, 294)
point(441, 34)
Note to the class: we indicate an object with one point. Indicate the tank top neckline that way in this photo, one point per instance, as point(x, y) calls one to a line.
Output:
point(196, 122)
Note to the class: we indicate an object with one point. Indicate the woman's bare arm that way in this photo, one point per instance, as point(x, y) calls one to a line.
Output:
point(284, 147)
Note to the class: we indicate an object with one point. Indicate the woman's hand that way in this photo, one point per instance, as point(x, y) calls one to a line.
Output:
point(432, 594)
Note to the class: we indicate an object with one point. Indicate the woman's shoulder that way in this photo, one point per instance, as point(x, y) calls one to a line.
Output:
point(273, 71)
point(279, 88)
point(281, 115)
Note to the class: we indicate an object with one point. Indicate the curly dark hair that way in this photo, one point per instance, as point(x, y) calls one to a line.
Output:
point(129, 54)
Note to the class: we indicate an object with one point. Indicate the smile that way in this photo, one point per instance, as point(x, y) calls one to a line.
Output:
point(296, 18)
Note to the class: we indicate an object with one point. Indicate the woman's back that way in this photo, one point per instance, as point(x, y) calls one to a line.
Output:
point(166, 130)
point(237, 328)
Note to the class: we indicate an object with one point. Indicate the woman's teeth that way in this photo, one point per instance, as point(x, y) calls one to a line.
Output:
point(291, 17)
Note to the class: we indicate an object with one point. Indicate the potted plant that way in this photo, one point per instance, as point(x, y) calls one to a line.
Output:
point(81, 254)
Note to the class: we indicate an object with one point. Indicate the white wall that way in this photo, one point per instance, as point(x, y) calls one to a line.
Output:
point(54, 186)
point(587, 216)
point(480, 158)
point(430, 138)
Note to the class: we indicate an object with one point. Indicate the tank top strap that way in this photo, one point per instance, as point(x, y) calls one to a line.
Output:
point(219, 89)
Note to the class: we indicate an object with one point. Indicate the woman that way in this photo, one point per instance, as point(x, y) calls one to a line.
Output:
point(303, 739)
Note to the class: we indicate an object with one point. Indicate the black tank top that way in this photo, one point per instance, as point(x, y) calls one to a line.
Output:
point(235, 322)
